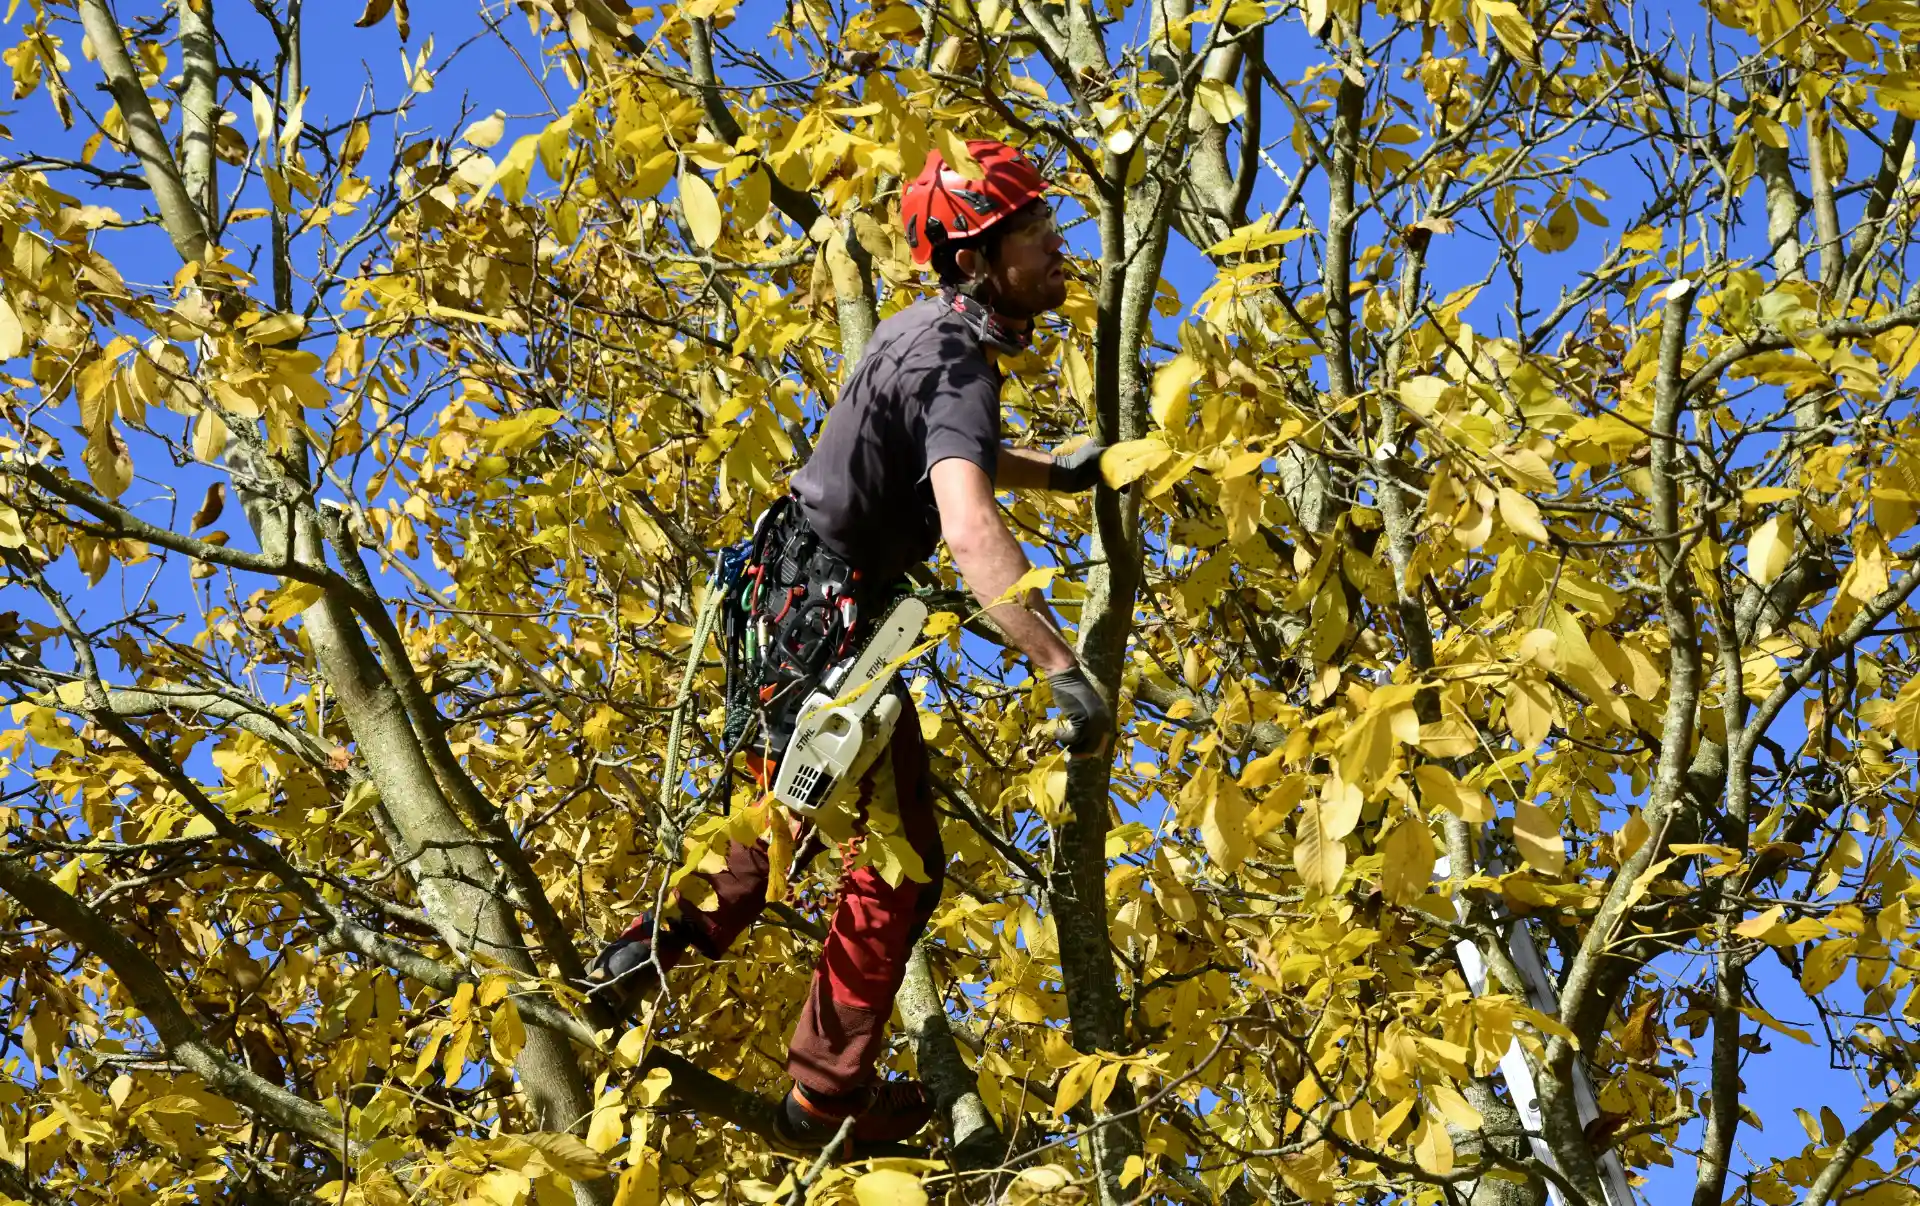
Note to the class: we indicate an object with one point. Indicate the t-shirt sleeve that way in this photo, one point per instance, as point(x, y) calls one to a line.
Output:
point(962, 409)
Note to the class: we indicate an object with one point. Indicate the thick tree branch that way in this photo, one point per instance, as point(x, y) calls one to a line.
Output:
point(1897, 1109)
point(198, 102)
point(179, 212)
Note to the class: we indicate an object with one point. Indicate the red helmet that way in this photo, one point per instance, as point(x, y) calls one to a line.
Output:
point(942, 204)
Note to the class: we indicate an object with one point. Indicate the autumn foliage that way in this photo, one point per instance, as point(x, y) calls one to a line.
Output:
point(1502, 577)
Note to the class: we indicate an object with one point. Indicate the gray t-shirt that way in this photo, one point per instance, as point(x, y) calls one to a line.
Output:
point(923, 391)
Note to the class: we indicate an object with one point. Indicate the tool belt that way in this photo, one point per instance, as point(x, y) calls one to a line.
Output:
point(794, 609)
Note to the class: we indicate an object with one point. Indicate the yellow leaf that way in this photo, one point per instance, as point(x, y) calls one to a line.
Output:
point(1538, 838)
point(1447, 739)
point(1456, 1108)
point(1047, 786)
point(12, 534)
point(487, 131)
point(13, 337)
point(1770, 548)
point(514, 171)
point(108, 462)
point(1522, 515)
point(1263, 770)
point(954, 150)
point(503, 1187)
point(1037, 578)
point(290, 133)
point(1438, 786)
point(359, 138)
point(1221, 100)
point(1076, 1082)
point(209, 436)
point(1530, 711)
point(519, 431)
point(1433, 1149)
point(631, 1044)
point(1224, 825)
point(1319, 856)
point(1407, 859)
point(1766, 1019)
point(1557, 231)
point(274, 328)
point(609, 1123)
point(940, 623)
point(1903, 716)
point(1172, 384)
point(1125, 462)
point(453, 1061)
point(640, 1184)
point(1255, 236)
point(1422, 395)
point(1824, 963)
point(290, 600)
point(1341, 804)
point(262, 113)
point(655, 1086)
point(1511, 27)
point(506, 1036)
point(701, 208)
point(1758, 925)
point(1367, 747)
point(566, 1155)
point(889, 1187)
point(427, 1054)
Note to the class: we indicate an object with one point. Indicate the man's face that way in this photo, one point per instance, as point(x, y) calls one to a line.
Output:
point(1029, 275)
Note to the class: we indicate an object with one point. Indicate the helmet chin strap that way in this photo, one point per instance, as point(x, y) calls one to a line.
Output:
point(973, 302)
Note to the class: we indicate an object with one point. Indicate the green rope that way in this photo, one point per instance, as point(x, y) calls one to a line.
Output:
point(702, 629)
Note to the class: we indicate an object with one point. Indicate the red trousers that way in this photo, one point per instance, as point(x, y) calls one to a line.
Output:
point(839, 1037)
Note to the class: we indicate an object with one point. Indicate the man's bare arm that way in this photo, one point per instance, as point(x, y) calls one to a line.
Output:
point(1022, 469)
point(991, 561)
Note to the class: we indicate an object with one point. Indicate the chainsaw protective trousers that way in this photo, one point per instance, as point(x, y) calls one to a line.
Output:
point(842, 1028)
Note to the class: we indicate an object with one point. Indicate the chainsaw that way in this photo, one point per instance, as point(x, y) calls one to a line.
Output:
point(847, 720)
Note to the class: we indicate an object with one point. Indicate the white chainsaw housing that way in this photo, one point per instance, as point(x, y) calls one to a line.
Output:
point(848, 719)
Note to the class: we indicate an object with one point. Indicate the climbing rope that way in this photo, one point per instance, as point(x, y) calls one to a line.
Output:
point(702, 629)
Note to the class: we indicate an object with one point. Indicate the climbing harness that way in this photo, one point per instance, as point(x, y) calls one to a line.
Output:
point(802, 643)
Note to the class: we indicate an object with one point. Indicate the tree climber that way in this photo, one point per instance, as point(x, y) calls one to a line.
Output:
point(911, 455)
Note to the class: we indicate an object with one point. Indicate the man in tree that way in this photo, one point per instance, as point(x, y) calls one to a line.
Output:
point(912, 455)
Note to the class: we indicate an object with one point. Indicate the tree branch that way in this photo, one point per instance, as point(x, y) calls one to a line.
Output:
point(178, 211)
point(145, 983)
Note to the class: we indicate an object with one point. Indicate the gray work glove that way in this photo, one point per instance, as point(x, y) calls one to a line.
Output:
point(1078, 471)
point(1085, 721)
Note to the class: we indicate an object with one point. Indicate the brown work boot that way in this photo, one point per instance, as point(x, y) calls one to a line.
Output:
point(887, 1111)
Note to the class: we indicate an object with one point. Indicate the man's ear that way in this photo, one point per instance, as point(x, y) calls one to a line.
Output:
point(971, 261)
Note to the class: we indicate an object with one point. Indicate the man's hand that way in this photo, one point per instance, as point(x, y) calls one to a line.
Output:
point(1085, 721)
point(1078, 471)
